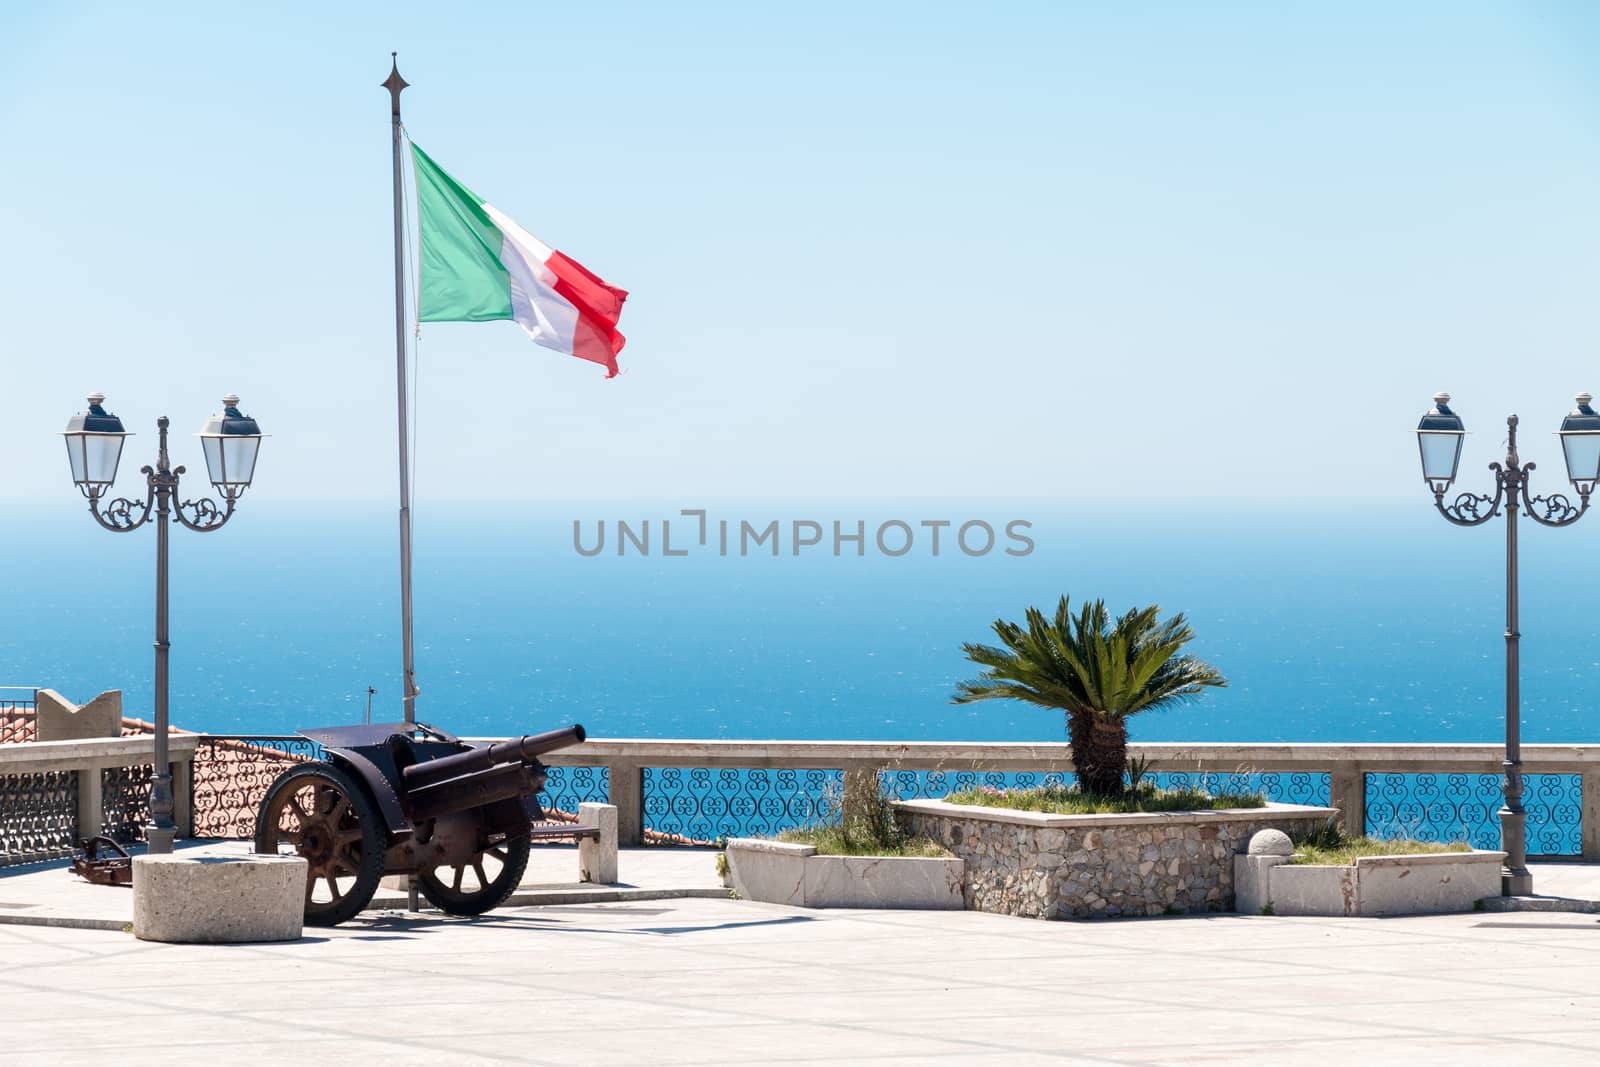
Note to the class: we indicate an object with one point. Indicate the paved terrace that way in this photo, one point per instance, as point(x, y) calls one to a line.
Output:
point(697, 981)
point(709, 980)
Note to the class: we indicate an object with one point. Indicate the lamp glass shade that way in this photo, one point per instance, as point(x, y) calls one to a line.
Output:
point(231, 442)
point(1439, 437)
point(1580, 443)
point(1441, 454)
point(1583, 456)
point(94, 445)
point(94, 456)
point(230, 459)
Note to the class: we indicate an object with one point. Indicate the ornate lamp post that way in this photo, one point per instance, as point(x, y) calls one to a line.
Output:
point(94, 447)
point(1439, 438)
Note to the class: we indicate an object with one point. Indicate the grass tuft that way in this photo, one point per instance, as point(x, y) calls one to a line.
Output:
point(1327, 846)
point(833, 841)
point(1062, 800)
point(1349, 849)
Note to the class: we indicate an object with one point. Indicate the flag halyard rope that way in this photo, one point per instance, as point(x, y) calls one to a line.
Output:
point(414, 256)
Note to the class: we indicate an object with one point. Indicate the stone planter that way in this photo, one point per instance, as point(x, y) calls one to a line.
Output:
point(780, 873)
point(1430, 884)
point(1094, 866)
point(218, 899)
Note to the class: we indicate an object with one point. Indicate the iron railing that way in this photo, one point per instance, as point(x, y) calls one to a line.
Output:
point(125, 801)
point(700, 792)
point(18, 713)
point(38, 812)
point(53, 794)
point(38, 816)
point(706, 805)
point(1465, 807)
point(702, 805)
point(230, 776)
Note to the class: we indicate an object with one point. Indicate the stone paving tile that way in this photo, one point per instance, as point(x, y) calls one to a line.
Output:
point(26, 1035)
point(1580, 880)
point(1008, 1059)
point(752, 1042)
point(1572, 1035)
point(1025, 1059)
point(1188, 1032)
point(281, 1049)
point(1426, 1051)
point(505, 1017)
point(56, 1009)
point(1576, 931)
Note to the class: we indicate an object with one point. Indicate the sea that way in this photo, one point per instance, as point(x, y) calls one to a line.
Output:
point(1333, 620)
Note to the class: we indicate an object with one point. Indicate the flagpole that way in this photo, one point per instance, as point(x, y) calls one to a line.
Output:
point(394, 83)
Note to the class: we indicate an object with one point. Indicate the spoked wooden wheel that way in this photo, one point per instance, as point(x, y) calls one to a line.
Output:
point(481, 883)
point(318, 812)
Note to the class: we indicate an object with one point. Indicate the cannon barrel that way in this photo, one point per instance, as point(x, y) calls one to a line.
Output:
point(518, 750)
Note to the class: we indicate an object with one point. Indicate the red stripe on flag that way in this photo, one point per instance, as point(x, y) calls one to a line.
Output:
point(599, 306)
point(586, 289)
point(597, 343)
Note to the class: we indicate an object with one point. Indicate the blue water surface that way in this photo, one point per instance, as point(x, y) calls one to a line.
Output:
point(1334, 621)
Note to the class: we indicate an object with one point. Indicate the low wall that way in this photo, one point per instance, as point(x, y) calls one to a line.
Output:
point(1043, 866)
point(1373, 886)
point(701, 791)
point(54, 793)
point(777, 872)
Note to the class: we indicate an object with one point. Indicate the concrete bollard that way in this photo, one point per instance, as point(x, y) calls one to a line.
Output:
point(218, 899)
point(597, 860)
point(1252, 870)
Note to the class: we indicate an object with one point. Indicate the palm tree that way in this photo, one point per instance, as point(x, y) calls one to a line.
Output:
point(1096, 672)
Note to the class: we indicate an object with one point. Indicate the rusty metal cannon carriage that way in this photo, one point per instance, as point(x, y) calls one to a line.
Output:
point(409, 799)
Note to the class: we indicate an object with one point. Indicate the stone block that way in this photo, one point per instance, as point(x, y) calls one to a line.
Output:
point(780, 873)
point(1375, 886)
point(218, 899)
point(1308, 890)
point(1427, 885)
point(768, 870)
point(597, 860)
point(883, 882)
point(1251, 885)
point(59, 719)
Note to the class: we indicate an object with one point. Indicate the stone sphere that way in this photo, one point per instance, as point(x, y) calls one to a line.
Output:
point(1271, 843)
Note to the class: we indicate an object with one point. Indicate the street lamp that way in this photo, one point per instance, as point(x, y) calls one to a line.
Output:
point(1439, 438)
point(94, 447)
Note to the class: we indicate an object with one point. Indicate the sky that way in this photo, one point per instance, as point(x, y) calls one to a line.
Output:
point(1019, 250)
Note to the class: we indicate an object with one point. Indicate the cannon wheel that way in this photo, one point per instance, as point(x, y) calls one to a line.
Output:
point(318, 812)
point(476, 886)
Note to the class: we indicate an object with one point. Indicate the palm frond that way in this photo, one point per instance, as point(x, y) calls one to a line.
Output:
point(1083, 661)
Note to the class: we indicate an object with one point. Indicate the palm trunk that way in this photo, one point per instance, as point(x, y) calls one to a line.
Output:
point(1099, 752)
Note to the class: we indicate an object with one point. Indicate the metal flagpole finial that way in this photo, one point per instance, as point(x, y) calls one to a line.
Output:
point(394, 83)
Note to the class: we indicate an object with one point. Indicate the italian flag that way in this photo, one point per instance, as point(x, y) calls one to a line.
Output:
point(478, 265)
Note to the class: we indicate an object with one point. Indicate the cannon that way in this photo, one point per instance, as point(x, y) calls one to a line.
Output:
point(406, 798)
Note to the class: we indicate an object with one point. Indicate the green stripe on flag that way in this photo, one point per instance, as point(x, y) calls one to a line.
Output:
point(462, 277)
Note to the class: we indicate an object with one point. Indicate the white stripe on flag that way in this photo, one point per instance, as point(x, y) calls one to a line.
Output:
point(547, 317)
